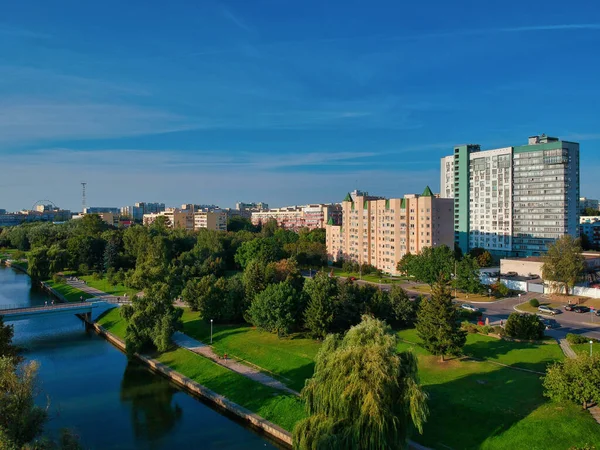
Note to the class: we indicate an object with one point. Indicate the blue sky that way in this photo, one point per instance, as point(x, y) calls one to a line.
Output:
point(282, 101)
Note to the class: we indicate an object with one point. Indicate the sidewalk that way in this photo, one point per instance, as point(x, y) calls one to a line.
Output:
point(93, 291)
point(202, 349)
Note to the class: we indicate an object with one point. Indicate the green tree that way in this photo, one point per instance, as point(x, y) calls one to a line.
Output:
point(254, 279)
point(39, 264)
point(405, 264)
point(483, 257)
point(563, 263)
point(277, 309)
point(395, 307)
point(467, 275)
point(265, 250)
point(7, 348)
point(238, 223)
point(363, 394)
point(438, 323)
point(151, 320)
point(349, 305)
point(111, 254)
point(524, 326)
point(574, 380)
point(321, 291)
point(431, 264)
point(590, 212)
point(21, 421)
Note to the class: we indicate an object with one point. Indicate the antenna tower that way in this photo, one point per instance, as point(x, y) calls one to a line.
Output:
point(83, 184)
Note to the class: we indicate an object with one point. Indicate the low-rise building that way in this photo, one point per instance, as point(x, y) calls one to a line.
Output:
point(532, 265)
point(211, 220)
point(379, 231)
point(590, 227)
point(297, 217)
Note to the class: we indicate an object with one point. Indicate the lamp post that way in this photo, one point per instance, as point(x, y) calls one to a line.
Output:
point(519, 300)
point(591, 342)
point(489, 293)
point(211, 321)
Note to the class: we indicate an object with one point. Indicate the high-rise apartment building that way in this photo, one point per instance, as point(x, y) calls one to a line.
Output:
point(188, 220)
point(296, 217)
point(381, 231)
point(513, 201)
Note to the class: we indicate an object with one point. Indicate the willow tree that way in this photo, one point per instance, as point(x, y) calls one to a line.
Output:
point(363, 394)
point(563, 262)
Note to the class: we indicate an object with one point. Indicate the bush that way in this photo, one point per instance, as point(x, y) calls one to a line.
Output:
point(97, 276)
point(524, 326)
point(82, 269)
point(497, 329)
point(579, 339)
point(534, 302)
point(58, 278)
point(469, 327)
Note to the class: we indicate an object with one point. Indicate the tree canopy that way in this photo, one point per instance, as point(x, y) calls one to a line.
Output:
point(438, 323)
point(363, 394)
point(574, 380)
point(563, 263)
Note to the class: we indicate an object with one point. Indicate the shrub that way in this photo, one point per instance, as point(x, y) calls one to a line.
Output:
point(579, 339)
point(97, 276)
point(82, 269)
point(497, 329)
point(534, 302)
point(58, 278)
point(469, 327)
point(524, 326)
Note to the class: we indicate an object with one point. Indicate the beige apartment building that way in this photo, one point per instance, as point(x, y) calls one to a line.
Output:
point(380, 231)
point(188, 220)
point(296, 217)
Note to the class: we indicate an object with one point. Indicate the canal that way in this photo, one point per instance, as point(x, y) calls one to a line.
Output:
point(108, 401)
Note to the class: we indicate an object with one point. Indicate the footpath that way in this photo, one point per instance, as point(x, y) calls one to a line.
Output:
point(184, 341)
point(82, 286)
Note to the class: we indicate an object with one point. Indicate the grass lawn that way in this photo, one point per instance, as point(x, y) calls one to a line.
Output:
point(70, 293)
point(481, 405)
point(526, 307)
point(104, 286)
point(585, 348)
point(112, 321)
point(291, 359)
point(461, 296)
point(371, 278)
point(474, 405)
point(283, 409)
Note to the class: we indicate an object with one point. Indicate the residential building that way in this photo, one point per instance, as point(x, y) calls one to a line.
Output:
point(101, 209)
point(212, 220)
point(150, 208)
point(179, 218)
point(380, 231)
point(241, 206)
point(296, 217)
point(198, 207)
point(590, 227)
point(134, 212)
point(513, 201)
point(2, 211)
point(585, 203)
point(11, 219)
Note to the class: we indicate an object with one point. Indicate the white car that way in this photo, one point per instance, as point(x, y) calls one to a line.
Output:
point(469, 307)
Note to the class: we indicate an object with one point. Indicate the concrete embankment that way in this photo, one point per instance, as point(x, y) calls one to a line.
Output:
point(194, 388)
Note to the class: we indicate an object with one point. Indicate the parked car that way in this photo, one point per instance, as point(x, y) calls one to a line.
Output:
point(544, 309)
point(469, 307)
point(550, 323)
point(352, 278)
point(569, 307)
point(581, 309)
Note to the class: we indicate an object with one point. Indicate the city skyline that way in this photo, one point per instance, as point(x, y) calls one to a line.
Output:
point(222, 102)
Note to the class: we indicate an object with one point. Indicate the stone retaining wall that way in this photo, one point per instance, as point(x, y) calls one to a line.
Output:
point(197, 389)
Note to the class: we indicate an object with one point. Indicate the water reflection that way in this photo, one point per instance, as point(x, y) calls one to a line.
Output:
point(153, 412)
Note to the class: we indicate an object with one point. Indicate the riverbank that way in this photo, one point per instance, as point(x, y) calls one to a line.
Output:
point(268, 409)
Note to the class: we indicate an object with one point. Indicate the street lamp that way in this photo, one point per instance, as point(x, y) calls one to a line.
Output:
point(591, 342)
point(489, 293)
point(211, 321)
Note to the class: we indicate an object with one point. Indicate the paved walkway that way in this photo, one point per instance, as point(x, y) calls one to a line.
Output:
point(200, 348)
point(93, 291)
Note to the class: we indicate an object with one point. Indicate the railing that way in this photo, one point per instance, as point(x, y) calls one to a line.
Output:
point(15, 307)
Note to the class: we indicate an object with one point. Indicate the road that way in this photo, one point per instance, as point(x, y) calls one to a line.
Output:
point(570, 322)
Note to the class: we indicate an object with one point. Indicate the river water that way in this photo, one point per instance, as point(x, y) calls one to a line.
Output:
point(110, 402)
